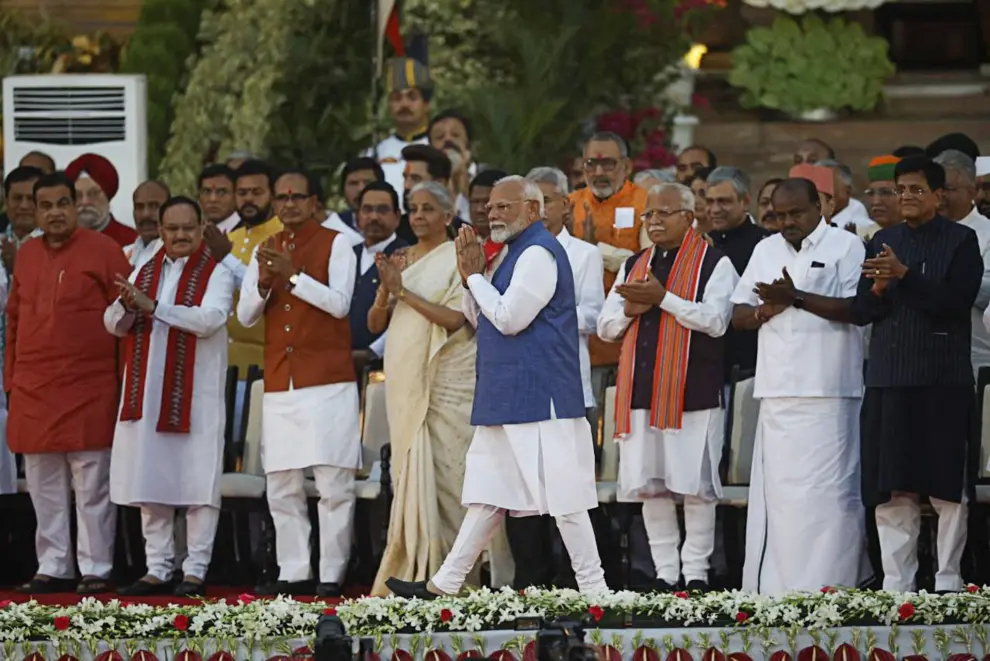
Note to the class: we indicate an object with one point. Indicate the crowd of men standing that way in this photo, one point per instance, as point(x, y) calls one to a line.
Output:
point(673, 289)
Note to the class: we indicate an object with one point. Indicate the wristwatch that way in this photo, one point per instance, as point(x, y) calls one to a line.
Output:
point(798, 303)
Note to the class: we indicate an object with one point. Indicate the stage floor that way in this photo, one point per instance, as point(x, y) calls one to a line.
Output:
point(230, 594)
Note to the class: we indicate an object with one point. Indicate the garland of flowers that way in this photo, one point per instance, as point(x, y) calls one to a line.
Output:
point(802, 6)
point(228, 101)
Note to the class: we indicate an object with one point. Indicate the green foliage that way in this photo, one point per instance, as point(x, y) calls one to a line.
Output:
point(20, 29)
point(815, 64)
point(164, 39)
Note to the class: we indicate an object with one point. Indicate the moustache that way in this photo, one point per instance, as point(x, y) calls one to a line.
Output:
point(88, 210)
point(404, 111)
point(450, 144)
point(248, 207)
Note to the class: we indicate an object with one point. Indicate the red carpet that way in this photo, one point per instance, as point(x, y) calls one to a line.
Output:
point(213, 593)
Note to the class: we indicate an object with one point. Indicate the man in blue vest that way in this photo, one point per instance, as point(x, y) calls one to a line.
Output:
point(530, 453)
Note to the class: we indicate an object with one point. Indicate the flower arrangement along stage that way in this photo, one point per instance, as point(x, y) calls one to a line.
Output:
point(833, 625)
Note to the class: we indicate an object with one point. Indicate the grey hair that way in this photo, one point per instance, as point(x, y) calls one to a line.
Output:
point(547, 175)
point(952, 159)
point(687, 196)
point(531, 192)
point(437, 190)
point(740, 180)
point(659, 175)
point(845, 172)
point(609, 136)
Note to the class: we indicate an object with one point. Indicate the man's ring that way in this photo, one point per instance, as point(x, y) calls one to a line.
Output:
point(269, 264)
point(875, 272)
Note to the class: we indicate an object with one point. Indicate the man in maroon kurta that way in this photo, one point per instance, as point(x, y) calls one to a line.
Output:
point(63, 381)
point(96, 183)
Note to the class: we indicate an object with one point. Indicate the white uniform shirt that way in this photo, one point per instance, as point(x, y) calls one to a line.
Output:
point(589, 294)
point(855, 213)
point(800, 354)
point(335, 223)
point(389, 155)
point(147, 466)
point(230, 223)
point(981, 338)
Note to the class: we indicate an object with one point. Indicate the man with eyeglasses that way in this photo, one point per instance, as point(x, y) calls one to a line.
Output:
point(983, 185)
point(920, 280)
point(958, 206)
point(607, 214)
point(669, 311)
point(882, 201)
point(377, 209)
point(301, 281)
point(691, 160)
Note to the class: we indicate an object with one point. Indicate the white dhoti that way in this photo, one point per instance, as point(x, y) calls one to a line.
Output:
point(528, 469)
point(806, 524)
point(312, 428)
point(654, 466)
point(51, 480)
point(158, 527)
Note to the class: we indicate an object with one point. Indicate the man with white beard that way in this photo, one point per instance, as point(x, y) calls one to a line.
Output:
point(530, 453)
point(96, 183)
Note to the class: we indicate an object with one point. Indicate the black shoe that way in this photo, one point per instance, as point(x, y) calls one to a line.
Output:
point(143, 588)
point(47, 585)
point(91, 585)
point(190, 589)
point(287, 588)
point(329, 590)
point(696, 585)
point(661, 585)
point(410, 589)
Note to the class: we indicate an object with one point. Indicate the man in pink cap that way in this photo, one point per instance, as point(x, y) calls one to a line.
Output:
point(96, 183)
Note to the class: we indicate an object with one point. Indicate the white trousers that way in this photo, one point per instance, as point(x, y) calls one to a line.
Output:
point(287, 503)
point(159, 527)
point(664, 533)
point(51, 480)
point(479, 526)
point(898, 527)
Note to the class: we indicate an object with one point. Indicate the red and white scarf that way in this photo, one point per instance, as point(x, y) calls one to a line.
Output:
point(670, 367)
point(180, 357)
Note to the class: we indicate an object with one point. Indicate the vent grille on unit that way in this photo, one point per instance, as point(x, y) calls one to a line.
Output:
point(64, 115)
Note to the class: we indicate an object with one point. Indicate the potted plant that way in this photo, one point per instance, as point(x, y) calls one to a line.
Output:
point(810, 69)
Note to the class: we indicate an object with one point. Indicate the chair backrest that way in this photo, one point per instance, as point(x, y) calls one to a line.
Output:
point(252, 431)
point(374, 415)
point(610, 453)
point(745, 413)
point(230, 447)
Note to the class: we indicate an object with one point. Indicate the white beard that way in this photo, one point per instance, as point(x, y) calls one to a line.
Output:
point(91, 218)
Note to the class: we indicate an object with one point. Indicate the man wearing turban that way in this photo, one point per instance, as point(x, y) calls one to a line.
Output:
point(96, 183)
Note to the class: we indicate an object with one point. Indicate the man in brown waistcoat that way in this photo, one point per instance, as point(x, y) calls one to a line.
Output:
point(670, 307)
point(301, 281)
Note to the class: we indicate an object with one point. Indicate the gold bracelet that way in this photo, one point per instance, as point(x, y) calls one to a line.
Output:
point(402, 293)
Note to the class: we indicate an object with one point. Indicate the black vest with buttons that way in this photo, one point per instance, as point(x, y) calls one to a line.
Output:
point(703, 387)
point(365, 289)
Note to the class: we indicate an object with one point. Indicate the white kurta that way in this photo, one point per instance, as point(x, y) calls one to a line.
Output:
point(334, 222)
point(855, 213)
point(179, 470)
point(139, 252)
point(315, 426)
point(684, 461)
point(589, 269)
point(981, 337)
point(538, 467)
point(8, 467)
point(805, 523)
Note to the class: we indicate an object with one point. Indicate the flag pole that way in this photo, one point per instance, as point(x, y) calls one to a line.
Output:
point(376, 53)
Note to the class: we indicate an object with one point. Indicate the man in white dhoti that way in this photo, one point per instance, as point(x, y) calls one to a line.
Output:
point(670, 308)
point(168, 443)
point(530, 452)
point(301, 281)
point(806, 524)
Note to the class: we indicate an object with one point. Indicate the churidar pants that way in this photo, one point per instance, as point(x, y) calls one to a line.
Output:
point(158, 526)
point(52, 478)
point(287, 503)
point(482, 521)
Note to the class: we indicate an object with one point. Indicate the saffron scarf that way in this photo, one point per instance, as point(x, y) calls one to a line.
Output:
point(180, 356)
point(670, 368)
point(492, 250)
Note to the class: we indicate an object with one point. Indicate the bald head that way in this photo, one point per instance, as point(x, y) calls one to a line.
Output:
point(813, 150)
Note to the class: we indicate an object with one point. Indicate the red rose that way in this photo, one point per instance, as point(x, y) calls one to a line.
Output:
point(246, 598)
point(682, 595)
point(329, 611)
point(181, 622)
point(906, 610)
point(5, 603)
point(742, 616)
point(596, 612)
point(446, 615)
point(969, 588)
point(62, 622)
point(828, 589)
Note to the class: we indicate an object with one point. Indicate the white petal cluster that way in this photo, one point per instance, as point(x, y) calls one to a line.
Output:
point(798, 7)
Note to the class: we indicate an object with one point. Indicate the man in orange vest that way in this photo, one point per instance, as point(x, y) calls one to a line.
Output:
point(301, 281)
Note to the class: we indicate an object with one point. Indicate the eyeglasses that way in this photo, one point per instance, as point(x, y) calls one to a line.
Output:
point(660, 214)
point(913, 191)
point(606, 164)
point(298, 198)
point(502, 207)
point(880, 192)
point(380, 209)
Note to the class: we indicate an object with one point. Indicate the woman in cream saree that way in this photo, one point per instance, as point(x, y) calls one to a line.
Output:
point(429, 386)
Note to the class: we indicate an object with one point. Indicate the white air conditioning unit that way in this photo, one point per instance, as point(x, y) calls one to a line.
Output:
point(67, 115)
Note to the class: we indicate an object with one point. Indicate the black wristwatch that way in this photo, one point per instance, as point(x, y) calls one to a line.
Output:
point(798, 303)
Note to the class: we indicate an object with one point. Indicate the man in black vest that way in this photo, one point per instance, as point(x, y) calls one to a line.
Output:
point(920, 280)
point(377, 208)
point(670, 308)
